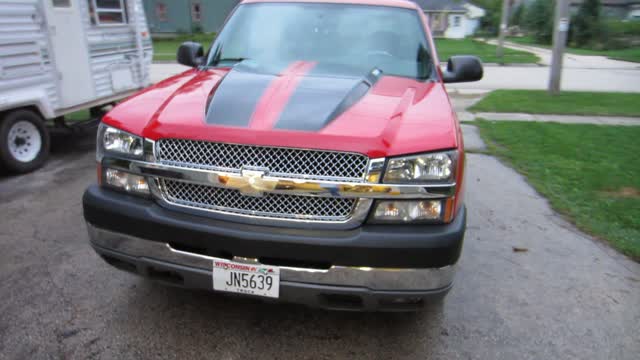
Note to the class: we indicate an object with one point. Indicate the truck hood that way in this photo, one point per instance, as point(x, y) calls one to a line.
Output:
point(303, 105)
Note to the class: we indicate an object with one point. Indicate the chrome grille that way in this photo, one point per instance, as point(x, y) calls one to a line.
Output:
point(283, 162)
point(270, 205)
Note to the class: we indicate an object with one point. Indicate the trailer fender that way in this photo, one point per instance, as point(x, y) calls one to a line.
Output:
point(27, 97)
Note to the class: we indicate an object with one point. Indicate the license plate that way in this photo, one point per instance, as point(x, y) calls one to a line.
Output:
point(249, 279)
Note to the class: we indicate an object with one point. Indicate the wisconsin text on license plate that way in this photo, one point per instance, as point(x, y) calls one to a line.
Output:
point(251, 279)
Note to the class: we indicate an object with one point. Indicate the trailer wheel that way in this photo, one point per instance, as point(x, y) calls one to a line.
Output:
point(24, 141)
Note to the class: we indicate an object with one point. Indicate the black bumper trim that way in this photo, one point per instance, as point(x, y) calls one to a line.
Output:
point(391, 246)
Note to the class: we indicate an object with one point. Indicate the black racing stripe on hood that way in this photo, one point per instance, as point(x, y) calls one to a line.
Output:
point(235, 99)
point(318, 100)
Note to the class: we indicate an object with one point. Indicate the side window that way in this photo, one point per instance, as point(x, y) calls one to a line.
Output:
point(108, 12)
point(456, 21)
point(161, 12)
point(196, 12)
point(61, 3)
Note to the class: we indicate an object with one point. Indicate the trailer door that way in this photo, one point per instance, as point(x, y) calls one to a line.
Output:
point(70, 51)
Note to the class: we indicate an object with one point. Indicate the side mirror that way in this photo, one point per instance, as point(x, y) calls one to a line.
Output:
point(464, 68)
point(190, 54)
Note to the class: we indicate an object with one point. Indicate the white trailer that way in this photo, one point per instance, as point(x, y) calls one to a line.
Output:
point(61, 56)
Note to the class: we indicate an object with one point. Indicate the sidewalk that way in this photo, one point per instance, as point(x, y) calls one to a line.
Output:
point(564, 119)
point(572, 61)
point(581, 73)
point(537, 78)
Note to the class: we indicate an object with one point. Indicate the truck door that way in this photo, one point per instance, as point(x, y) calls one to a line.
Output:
point(70, 51)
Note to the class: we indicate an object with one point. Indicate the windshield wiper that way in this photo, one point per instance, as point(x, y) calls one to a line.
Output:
point(238, 59)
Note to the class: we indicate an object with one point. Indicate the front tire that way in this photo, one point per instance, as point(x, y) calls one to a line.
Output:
point(24, 141)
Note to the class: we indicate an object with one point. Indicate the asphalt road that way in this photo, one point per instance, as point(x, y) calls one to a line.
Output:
point(566, 297)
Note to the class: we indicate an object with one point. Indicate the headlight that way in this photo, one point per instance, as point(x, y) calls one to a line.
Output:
point(435, 167)
point(403, 211)
point(117, 141)
point(438, 168)
point(127, 182)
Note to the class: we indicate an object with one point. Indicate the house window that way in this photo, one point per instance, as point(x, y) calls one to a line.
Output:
point(161, 12)
point(438, 22)
point(108, 12)
point(61, 3)
point(456, 21)
point(196, 12)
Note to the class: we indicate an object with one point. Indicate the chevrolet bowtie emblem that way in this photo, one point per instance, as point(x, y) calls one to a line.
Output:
point(252, 183)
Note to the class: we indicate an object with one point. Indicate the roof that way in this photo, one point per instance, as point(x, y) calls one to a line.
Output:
point(442, 5)
point(395, 3)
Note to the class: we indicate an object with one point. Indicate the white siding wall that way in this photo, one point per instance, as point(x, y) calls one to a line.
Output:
point(471, 25)
point(456, 32)
point(27, 74)
point(25, 67)
point(111, 47)
point(467, 27)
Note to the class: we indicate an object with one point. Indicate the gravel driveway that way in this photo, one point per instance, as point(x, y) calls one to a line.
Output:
point(566, 297)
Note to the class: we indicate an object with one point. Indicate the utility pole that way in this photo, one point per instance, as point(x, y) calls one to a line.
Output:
point(560, 32)
point(503, 29)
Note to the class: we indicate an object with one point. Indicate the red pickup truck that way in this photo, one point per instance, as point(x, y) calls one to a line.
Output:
point(311, 155)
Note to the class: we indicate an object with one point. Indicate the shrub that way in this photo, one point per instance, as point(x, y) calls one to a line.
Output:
point(620, 28)
point(616, 34)
point(591, 30)
point(197, 28)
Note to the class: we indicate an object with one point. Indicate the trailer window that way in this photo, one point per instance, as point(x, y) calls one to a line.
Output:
point(108, 12)
point(61, 3)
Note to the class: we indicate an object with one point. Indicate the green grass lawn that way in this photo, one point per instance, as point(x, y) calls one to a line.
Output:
point(566, 103)
point(631, 54)
point(589, 173)
point(165, 49)
point(78, 116)
point(74, 117)
point(448, 47)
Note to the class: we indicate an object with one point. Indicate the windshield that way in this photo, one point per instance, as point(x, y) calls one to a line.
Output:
point(357, 37)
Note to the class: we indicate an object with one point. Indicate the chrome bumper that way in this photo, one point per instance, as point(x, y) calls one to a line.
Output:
point(379, 279)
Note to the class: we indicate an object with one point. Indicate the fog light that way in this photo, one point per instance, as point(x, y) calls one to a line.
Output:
point(127, 182)
point(409, 211)
point(406, 300)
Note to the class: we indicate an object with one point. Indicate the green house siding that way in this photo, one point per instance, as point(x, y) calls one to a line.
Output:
point(215, 13)
point(176, 16)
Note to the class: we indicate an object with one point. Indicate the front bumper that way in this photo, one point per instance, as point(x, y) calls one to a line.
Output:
point(369, 268)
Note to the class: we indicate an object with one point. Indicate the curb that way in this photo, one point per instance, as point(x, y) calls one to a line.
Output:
point(563, 119)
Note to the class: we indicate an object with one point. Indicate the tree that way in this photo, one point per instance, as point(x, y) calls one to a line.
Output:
point(539, 20)
point(587, 23)
point(490, 23)
point(517, 17)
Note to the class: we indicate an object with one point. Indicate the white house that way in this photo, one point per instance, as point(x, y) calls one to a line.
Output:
point(453, 19)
